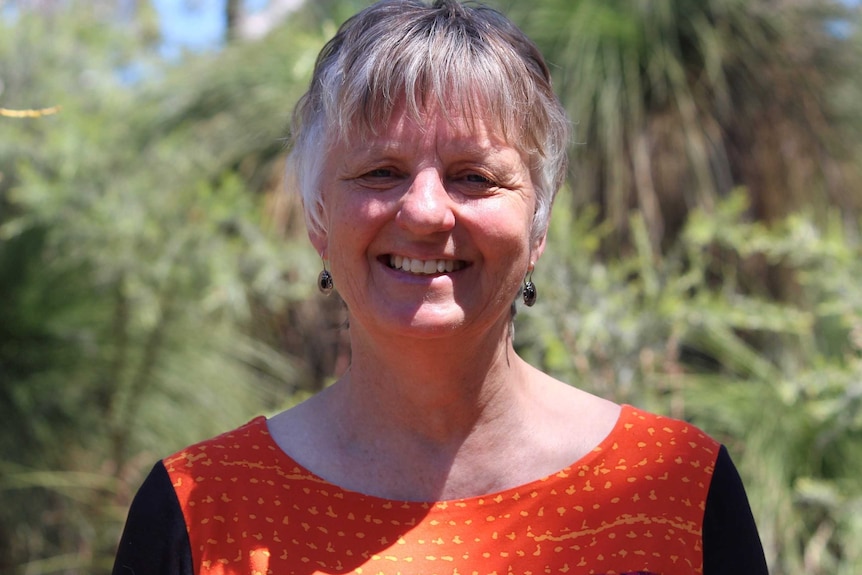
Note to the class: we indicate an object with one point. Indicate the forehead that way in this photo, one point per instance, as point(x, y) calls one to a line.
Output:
point(458, 127)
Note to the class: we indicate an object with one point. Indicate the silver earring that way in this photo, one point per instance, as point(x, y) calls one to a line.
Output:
point(530, 293)
point(324, 281)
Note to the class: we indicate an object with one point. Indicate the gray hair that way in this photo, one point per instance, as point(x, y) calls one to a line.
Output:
point(465, 56)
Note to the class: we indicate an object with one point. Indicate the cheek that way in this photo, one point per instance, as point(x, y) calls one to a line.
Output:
point(354, 222)
point(506, 228)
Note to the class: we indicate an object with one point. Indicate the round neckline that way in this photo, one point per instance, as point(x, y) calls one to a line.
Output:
point(627, 412)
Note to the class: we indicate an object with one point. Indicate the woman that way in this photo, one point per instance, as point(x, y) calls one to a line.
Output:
point(428, 151)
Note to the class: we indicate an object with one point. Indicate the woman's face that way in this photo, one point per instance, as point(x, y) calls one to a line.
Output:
point(428, 226)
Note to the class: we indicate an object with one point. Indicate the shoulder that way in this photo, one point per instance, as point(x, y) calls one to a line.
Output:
point(658, 433)
point(245, 439)
point(700, 467)
point(666, 460)
point(664, 465)
point(202, 463)
point(179, 492)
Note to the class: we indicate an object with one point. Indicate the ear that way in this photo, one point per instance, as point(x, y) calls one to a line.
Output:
point(538, 247)
point(320, 241)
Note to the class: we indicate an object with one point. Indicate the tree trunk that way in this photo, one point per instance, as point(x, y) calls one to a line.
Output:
point(232, 16)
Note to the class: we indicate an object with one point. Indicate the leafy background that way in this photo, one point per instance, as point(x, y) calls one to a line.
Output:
point(157, 288)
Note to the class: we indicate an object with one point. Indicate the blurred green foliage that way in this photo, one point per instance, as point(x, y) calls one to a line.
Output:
point(678, 102)
point(156, 285)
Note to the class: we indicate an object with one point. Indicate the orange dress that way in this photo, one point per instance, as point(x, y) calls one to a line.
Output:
point(635, 504)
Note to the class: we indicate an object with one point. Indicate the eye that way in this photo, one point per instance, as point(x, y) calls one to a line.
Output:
point(378, 178)
point(478, 179)
point(380, 173)
point(477, 183)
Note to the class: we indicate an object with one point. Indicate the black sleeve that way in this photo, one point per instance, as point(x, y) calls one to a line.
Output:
point(154, 541)
point(731, 545)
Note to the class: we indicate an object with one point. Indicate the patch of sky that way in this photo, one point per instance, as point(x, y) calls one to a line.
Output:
point(845, 27)
point(195, 25)
point(8, 11)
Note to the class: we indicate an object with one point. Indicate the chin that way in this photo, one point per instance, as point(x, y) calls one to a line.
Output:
point(426, 322)
point(429, 326)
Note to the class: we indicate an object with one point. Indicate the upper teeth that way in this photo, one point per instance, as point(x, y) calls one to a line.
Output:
point(423, 266)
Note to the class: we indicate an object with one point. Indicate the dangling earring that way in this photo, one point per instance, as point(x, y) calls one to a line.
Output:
point(324, 281)
point(530, 293)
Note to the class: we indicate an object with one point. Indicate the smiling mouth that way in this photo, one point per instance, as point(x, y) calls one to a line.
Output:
point(425, 267)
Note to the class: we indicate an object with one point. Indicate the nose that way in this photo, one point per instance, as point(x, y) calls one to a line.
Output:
point(426, 207)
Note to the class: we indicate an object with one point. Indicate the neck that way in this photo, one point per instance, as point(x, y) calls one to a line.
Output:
point(438, 389)
point(424, 428)
point(429, 419)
